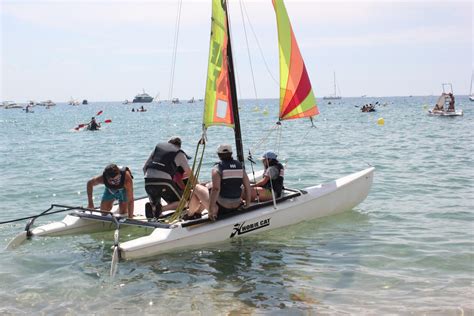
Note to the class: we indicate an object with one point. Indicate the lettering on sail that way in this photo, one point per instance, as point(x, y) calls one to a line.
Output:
point(242, 228)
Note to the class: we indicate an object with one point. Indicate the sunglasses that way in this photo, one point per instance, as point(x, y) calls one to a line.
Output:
point(115, 180)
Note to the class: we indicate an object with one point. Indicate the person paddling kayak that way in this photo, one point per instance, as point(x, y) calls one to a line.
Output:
point(93, 125)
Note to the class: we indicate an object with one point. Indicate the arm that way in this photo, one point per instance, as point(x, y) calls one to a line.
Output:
point(216, 188)
point(262, 182)
point(128, 185)
point(90, 185)
point(248, 193)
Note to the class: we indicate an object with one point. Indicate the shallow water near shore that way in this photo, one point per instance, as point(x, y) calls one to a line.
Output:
point(407, 249)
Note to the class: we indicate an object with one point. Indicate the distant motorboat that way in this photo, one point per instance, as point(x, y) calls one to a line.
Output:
point(47, 103)
point(191, 100)
point(142, 98)
point(175, 101)
point(85, 101)
point(73, 102)
point(11, 105)
point(126, 102)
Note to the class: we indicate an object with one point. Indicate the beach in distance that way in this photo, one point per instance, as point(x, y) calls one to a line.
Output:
point(406, 249)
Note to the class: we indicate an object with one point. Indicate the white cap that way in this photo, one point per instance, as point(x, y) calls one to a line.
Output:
point(224, 148)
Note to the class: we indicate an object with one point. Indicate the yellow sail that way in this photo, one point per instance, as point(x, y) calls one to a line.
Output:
point(218, 101)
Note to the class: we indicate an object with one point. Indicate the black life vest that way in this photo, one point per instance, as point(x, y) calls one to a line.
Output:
point(163, 158)
point(93, 126)
point(123, 171)
point(232, 173)
point(278, 182)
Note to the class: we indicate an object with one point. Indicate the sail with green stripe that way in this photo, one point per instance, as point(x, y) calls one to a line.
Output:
point(296, 94)
point(218, 101)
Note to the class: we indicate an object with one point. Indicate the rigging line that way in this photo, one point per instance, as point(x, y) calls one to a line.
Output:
point(248, 52)
point(175, 49)
point(260, 49)
point(263, 139)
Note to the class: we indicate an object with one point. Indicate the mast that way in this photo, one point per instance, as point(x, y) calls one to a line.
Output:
point(233, 90)
point(335, 94)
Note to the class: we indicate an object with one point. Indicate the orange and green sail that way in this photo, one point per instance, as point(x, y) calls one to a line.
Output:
point(218, 101)
point(296, 94)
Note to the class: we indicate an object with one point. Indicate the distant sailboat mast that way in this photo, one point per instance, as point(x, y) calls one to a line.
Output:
point(471, 96)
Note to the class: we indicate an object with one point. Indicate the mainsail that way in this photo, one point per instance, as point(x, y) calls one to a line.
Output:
point(218, 100)
point(296, 95)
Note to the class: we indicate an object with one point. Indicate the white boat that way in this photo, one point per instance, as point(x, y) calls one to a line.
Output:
point(333, 96)
point(294, 206)
point(11, 105)
point(445, 106)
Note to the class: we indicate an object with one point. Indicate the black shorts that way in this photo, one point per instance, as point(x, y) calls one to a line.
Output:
point(162, 188)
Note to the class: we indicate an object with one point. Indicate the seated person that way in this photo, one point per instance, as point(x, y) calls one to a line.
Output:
point(225, 191)
point(159, 169)
point(118, 186)
point(272, 178)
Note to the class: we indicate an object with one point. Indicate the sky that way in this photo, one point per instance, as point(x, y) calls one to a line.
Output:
point(106, 50)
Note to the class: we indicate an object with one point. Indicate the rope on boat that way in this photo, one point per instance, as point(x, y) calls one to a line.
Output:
point(187, 194)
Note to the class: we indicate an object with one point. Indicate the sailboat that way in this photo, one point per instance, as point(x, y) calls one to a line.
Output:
point(471, 95)
point(297, 101)
point(333, 96)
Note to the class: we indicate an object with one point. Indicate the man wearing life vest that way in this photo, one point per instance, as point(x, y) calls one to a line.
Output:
point(272, 178)
point(118, 183)
point(160, 169)
point(225, 191)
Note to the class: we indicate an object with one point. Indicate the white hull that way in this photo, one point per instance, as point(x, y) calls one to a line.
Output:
point(327, 199)
point(471, 97)
point(445, 113)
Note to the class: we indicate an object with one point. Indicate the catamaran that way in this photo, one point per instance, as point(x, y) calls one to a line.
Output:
point(445, 106)
point(171, 232)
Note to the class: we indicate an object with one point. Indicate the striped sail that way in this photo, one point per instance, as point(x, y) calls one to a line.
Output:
point(296, 94)
point(218, 104)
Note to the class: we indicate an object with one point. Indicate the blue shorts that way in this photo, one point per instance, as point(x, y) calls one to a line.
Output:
point(120, 195)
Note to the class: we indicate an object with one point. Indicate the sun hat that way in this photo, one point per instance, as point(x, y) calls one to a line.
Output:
point(224, 148)
point(269, 155)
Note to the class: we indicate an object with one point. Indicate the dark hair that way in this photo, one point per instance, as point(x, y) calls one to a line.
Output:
point(175, 141)
point(111, 170)
point(225, 156)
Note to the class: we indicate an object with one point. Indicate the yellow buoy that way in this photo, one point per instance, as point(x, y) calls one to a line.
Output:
point(381, 121)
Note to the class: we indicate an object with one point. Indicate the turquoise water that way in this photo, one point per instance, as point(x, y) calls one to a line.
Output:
point(408, 248)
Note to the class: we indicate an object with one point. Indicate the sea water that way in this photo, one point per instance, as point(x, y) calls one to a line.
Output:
point(407, 249)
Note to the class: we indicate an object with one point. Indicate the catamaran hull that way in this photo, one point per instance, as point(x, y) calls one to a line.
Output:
point(319, 201)
point(443, 113)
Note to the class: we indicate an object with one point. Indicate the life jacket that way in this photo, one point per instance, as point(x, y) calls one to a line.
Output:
point(123, 171)
point(93, 126)
point(163, 158)
point(278, 182)
point(232, 173)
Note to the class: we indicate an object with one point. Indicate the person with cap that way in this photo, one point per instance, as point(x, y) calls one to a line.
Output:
point(272, 178)
point(225, 190)
point(118, 183)
point(160, 169)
